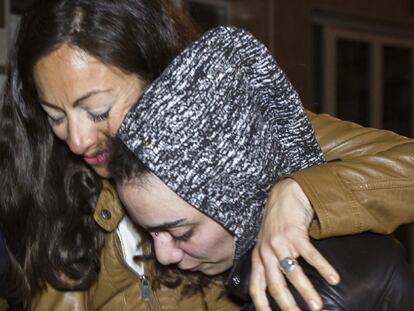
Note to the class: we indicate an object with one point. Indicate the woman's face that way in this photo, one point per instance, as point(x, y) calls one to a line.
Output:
point(182, 235)
point(85, 101)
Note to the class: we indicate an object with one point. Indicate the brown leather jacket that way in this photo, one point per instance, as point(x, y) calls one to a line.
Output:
point(119, 286)
point(358, 192)
point(367, 186)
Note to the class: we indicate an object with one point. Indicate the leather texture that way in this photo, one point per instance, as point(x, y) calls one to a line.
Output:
point(120, 289)
point(368, 185)
point(360, 192)
point(374, 276)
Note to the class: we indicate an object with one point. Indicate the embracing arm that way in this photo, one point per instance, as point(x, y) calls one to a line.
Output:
point(367, 186)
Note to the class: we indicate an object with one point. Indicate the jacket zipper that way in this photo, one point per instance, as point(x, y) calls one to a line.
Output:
point(146, 292)
point(144, 282)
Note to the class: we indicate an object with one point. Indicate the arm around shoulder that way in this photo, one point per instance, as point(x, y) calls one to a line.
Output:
point(367, 184)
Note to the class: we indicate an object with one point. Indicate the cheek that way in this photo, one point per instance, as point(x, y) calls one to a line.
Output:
point(224, 244)
point(60, 131)
point(213, 244)
point(113, 126)
point(101, 134)
point(115, 120)
point(199, 249)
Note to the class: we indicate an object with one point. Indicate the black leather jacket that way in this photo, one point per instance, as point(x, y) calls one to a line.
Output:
point(374, 275)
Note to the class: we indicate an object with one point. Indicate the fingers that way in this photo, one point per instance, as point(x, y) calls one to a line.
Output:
point(284, 233)
point(277, 283)
point(265, 270)
point(304, 287)
point(258, 283)
point(315, 259)
point(278, 289)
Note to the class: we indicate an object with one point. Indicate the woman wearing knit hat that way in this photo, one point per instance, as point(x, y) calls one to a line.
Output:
point(209, 138)
point(75, 69)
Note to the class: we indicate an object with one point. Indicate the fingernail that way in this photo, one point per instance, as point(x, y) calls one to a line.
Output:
point(314, 305)
point(333, 279)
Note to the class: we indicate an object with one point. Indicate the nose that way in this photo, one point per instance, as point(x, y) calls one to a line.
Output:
point(166, 250)
point(80, 137)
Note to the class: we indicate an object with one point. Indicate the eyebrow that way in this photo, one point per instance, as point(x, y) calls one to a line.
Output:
point(79, 100)
point(166, 225)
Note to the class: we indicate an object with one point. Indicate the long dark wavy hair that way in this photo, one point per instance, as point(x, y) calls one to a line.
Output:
point(45, 217)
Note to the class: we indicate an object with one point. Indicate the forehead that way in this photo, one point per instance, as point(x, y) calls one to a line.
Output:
point(72, 69)
point(70, 59)
point(152, 202)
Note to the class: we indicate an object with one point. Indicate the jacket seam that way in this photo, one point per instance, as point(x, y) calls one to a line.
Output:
point(379, 185)
point(352, 202)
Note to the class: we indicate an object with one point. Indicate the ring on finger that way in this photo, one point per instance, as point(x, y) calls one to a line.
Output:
point(288, 264)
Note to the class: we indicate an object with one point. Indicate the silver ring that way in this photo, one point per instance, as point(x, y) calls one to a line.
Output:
point(287, 264)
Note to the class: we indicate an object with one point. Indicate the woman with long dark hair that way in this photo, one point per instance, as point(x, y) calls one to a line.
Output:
point(77, 66)
point(48, 223)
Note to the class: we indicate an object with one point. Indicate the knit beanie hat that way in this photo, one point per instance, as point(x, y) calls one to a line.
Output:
point(219, 127)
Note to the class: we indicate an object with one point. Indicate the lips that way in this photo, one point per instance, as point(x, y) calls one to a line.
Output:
point(101, 158)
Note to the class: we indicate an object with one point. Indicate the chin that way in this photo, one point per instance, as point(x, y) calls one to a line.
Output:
point(214, 270)
point(101, 171)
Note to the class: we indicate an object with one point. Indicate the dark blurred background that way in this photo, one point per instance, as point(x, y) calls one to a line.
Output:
point(353, 59)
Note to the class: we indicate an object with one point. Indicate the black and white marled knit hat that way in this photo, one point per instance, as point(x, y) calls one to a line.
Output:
point(220, 126)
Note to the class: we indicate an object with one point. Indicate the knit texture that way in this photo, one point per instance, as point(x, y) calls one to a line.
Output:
point(220, 126)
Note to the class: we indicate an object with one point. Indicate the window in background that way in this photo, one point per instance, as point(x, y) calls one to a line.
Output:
point(397, 89)
point(366, 77)
point(317, 68)
point(353, 81)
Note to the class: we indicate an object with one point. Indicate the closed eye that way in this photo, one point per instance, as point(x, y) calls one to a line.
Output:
point(99, 117)
point(184, 237)
point(55, 121)
point(55, 115)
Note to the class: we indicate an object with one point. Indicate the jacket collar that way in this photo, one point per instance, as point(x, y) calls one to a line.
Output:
point(108, 212)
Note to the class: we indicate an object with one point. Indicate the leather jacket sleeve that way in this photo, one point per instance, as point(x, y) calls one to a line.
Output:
point(374, 275)
point(367, 184)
